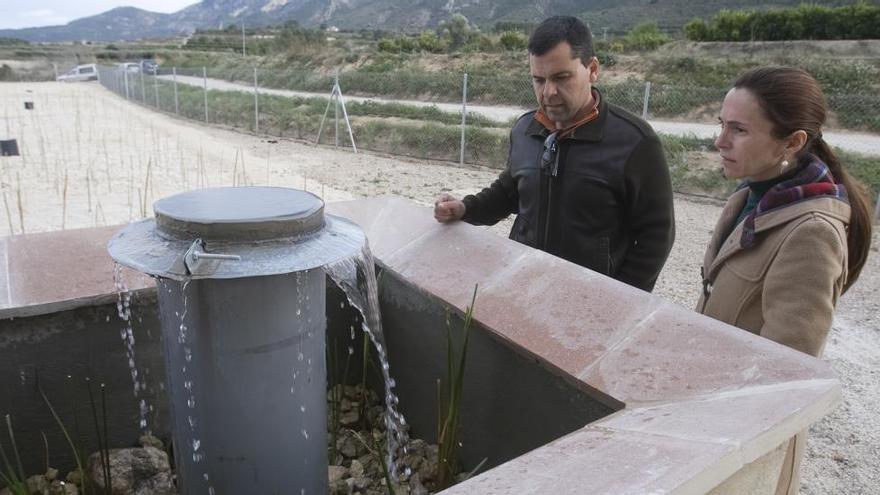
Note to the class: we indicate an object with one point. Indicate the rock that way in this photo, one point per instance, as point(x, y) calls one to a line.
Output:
point(51, 474)
point(151, 441)
point(135, 471)
point(357, 469)
point(338, 487)
point(416, 487)
point(349, 418)
point(360, 483)
point(429, 468)
point(337, 473)
point(347, 446)
point(37, 484)
point(59, 487)
point(74, 477)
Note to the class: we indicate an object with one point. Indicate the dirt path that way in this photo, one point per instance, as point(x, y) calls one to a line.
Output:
point(115, 154)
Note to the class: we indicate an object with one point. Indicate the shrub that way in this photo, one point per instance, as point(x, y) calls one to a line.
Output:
point(513, 41)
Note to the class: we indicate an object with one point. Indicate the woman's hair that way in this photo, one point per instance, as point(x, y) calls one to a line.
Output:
point(792, 100)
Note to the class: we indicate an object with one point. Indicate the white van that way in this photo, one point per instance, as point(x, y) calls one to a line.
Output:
point(129, 67)
point(87, 72)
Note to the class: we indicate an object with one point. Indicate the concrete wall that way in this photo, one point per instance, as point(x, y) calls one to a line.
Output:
point(57, 352)
point(511, 403)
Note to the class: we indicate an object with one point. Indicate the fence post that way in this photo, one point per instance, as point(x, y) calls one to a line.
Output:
point(647, 98)
point(243, 46)
point(463, 117)
point(156, 87)
point(205, 78)
point(125, 79)
point(174, 78)
point(256, 103)
point(877, 210)
point(143, 90)
point(336, 110)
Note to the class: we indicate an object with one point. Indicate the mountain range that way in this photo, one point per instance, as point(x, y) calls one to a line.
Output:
point(129, 23)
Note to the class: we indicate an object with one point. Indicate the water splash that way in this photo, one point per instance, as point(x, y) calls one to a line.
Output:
point(126, 333)
point(356, 276)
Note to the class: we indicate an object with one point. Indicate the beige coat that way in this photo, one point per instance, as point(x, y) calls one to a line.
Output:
point(784, 287)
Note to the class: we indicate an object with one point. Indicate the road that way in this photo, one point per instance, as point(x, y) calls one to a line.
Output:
point(864, 143)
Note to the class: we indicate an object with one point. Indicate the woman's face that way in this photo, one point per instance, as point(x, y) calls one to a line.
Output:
point(747, 146)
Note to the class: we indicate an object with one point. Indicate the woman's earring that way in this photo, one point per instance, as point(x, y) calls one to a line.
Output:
point(784, 164)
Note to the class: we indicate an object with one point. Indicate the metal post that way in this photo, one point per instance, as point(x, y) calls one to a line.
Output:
point(125, 78)
point(336, 109)
point(243, 45)
point(143, 89)
point(647, 98)
point(156, 89)
point(463, 116)
point(256, 103)
point(174, 78)
point(55, 71)
point(877, 210)
point(205, 78)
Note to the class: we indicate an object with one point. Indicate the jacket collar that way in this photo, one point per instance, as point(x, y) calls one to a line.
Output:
point(591, 131)
point(717, 254)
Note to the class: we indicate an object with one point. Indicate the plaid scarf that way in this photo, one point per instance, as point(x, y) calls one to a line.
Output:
point(813, 180)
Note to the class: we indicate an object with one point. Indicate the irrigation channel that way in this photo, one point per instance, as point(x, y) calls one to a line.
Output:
point(241, 287)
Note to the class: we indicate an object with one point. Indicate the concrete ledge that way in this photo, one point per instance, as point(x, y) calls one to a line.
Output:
point(59, 271)
point(703, 399)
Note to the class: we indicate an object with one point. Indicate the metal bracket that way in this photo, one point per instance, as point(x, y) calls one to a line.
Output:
point(198, 262)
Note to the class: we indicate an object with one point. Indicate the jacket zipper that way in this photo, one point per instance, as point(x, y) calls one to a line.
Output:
point(547, 210)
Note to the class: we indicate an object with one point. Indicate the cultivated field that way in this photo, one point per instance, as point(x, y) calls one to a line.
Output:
point(91, 158)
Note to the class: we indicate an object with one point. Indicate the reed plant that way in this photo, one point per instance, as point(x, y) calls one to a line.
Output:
point(449, 393)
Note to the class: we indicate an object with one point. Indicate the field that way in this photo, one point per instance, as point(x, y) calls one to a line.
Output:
point(91, 158)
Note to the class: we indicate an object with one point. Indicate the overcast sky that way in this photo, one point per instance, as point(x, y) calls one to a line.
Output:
point(16, 14)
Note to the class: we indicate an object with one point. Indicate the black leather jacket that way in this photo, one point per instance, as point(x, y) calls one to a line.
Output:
point(609, 208)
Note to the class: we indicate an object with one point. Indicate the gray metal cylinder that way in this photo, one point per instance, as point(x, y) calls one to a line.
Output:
point(242, 303)
point(247, 383)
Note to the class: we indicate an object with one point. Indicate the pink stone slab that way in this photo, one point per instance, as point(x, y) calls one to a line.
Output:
point(702, 399)
point(596, 460)
point(57, 271)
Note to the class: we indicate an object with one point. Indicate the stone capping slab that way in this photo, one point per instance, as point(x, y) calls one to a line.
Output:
point(702, 399)
point(58, 271)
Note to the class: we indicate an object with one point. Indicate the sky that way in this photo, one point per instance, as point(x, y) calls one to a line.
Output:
point(30, 13)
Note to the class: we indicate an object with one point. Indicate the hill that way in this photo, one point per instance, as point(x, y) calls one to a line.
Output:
point(617, 16)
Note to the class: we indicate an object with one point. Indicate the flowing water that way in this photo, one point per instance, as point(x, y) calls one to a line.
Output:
point(123, 308)
point(356, 276)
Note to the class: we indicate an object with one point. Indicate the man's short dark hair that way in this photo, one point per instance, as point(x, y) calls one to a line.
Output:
point(557, 29)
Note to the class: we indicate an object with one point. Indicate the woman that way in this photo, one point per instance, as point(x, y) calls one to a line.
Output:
point(796, 234)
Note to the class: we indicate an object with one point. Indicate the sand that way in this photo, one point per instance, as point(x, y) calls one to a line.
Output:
point(118, 158)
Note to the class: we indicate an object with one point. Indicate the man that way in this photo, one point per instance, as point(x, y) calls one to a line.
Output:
point(587, 180)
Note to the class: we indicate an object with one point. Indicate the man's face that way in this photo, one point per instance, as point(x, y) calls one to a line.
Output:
point(562, 83)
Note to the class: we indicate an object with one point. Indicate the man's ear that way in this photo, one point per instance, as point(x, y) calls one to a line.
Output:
point(593, 69)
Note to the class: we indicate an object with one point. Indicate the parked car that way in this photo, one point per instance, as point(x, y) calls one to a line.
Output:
point(86, 72)
point(129, 67)
point(149, 66)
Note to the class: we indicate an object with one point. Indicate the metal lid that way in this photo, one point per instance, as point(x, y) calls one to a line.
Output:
point(239, 214)
point(235, 232)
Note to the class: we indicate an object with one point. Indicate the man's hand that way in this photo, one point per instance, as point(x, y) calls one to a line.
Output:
point(447, 208)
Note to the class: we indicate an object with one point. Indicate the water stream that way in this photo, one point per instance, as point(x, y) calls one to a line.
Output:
point(126, 333)
point(356, 276)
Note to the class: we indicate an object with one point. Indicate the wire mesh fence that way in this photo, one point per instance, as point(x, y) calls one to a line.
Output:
point(461, 118)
